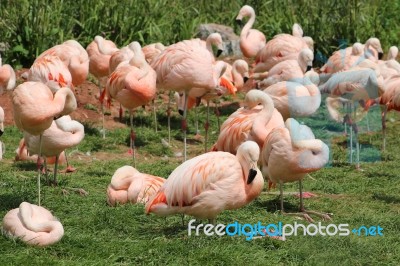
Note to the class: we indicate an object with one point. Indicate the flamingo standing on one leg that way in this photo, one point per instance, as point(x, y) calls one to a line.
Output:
point(208, 184)
point(1, 131)
point(35, 107)
point(132, 85)
point(251, 40)
point(129, 185)
point(33, 224)
point(7, 77)
point(289, 154)
point(186, 65)
point(99, 52)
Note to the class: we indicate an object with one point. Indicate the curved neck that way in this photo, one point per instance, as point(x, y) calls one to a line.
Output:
point(314, 156)
point(26, 215)
point(12, 80)
point(249, 24)
point(64, 102)
point(258, 131)
point(237, 78)
point(104, 49)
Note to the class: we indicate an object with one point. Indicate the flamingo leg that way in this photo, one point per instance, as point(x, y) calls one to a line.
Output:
point(103, 131)
point(132, 139)
point(155, 115)
point(69, 168)
point(206, 126)
point(184, 126)
point(55, 171)
point(323, 216)
point(38, 166)
point(169, 116)
point(384, 112)
point(120, 113)
point(217, 114)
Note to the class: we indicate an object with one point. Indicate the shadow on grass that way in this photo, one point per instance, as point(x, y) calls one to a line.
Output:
point(10, 201)
point(273, 205)
point(386, 198)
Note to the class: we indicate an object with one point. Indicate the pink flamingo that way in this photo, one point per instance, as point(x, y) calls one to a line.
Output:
point(152, 50)
point(99, 64)
point(50, 70)
point(74, 57)
point(129, 185)
point(295, 99)
point(22, 154)
point(390, 67)
point(210, 183)
point(288, 70)
point(63, 133)
point(132, 85)
point(35, 107)
point(252, 122)
point(33, 224)
point(351, 56)
point(186, 65)
point(289, 154)
point(282, 47)
point(251, 40)
point(356, 85)
point(7, 77)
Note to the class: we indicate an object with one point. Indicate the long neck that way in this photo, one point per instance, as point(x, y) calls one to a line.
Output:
point(237, 77)
point(218, 70)
point(26, 214)
point(79, 70)
point(104, 49)
point(73, 127)
point(262, 119)
point(64, 102)
point(12, 80)
point(249, 24)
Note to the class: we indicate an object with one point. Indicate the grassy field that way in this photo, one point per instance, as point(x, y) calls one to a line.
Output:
point(96, 234)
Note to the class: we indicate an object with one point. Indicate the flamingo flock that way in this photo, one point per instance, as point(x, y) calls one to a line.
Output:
point(260, 142)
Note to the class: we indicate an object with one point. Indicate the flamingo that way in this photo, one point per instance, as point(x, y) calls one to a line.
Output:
point(289, 154)
point(63, 133)
point(390, 67)
point(288, 70)
point(74, 57)
point(33, 224)
point(35, 107)
point(251, 40)
point(356, 84)
point(99, 64)
point(22, 154)
point(50, 70)
point(129, 185)
point(1, 132)
point(231, 81)
point(282, 47)
point(252, 122)
point(210, 183)
point(295, 99)
point(132, 85)
point(351, 56)
point(152, 50)
point(7, 77)
point(186, 65)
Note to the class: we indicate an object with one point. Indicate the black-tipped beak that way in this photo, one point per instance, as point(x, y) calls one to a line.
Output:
point(380, 55)
point(1, 133)
point(308, 68)
point(219, 52)
point(180, 111)
point(239, 22)
point(57, 117)
point(252, 175)
point(245, 79)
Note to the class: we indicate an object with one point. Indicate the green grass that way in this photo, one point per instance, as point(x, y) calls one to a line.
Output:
point(96, 234)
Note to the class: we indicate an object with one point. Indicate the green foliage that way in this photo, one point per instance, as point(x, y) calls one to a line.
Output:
point(30, 27)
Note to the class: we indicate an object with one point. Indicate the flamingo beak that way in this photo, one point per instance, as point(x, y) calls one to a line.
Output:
point(308, 68)
point(180, 111)
point(252, 175)
point(380, 55)
point(219, 52)
point(1, 132)
point(245, 79)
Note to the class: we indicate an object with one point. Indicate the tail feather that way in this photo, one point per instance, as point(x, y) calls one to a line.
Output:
point(228, 85)
point(158, 198)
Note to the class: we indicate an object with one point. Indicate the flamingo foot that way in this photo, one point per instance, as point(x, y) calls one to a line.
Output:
point(306, 195)
point(304, 215)
point(198, 137)
point(130, 151)
point(323, 216)
point(70, 169)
